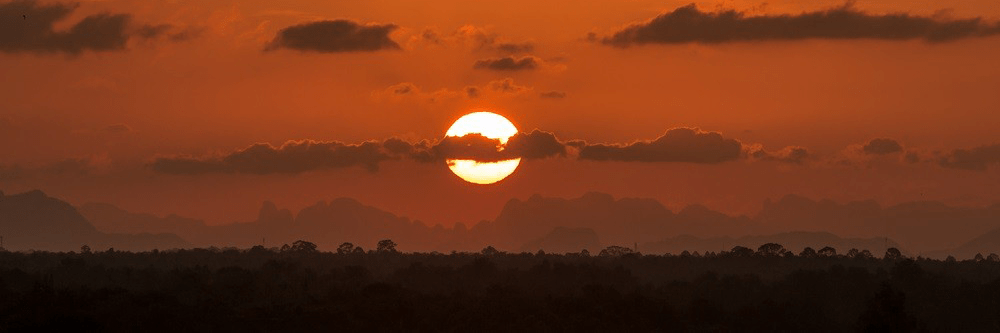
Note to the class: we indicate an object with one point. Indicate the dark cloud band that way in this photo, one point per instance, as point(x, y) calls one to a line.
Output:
point(978, 158)
point(684, 145)
point(335, 36)
point(508, 63)
point(676, 145)
point(32, 30)
point(882, 146)
point(28, 26)
point(307, 155)
point(689, 24)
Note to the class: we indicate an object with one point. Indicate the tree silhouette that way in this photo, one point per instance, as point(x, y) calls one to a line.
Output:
point(345, 248)
point(892, 254)
point(807, 252)
point(993, 257)
point(827, 252)
point(258, 249)
point(852, 253)
point(85, 249)
point(585, 253)
point(771, 249)
point(302, 246)
point(741, 251)
point(489, 251)
point(978, 257)
point(358, 250)
point(251, 290)
point(386, 246)
point(615, 251)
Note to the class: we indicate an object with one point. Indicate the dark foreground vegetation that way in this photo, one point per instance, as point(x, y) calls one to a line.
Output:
point(296, 288)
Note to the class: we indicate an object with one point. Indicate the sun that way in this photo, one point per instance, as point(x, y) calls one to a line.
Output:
point(490, 125)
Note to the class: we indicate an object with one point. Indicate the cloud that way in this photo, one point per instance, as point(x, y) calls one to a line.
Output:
point(882, 146)
point(688, 24)
point(472, 92)
point(552, 94)
point(116, 129)
point(506, 85)
point(405, 88)
point(676, 145)
point(978, 158)
point(335, 36)
point(872, 153)
point(290, 158)
point(407, 91)
point(169, 32)
point(28, 27)
point(308, 155)
point(470, 147)
point(790, 154)
point(185, 34)
point(153, 31)
point(687, 145)
point(515, 47)
point(477, 39)
point(535, 145)
point(508, 63)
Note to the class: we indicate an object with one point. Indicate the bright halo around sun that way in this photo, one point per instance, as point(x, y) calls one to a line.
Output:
point(490, 125)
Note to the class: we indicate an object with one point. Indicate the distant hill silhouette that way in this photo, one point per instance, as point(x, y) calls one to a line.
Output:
point(109, 218)
point(920, 227)
point(792, 241)
point(565, 240)
point(33, 220)
point(328, 224)
point(621, 221)
point(985, 244)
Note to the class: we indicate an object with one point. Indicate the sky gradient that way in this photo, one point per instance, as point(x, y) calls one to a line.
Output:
point(207, 109)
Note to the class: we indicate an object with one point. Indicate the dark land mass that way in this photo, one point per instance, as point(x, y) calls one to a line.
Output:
point(301, 289)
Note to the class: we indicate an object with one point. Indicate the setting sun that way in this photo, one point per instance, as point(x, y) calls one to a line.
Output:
point(490, 125)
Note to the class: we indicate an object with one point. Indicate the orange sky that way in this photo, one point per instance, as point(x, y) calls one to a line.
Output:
point(217, 90)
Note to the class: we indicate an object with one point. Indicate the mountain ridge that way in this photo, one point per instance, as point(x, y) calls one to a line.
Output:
point(917, 226)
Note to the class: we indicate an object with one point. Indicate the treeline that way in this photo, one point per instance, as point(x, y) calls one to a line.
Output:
point(296, 287)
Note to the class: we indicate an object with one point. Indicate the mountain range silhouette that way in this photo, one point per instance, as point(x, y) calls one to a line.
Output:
point(33, 220)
